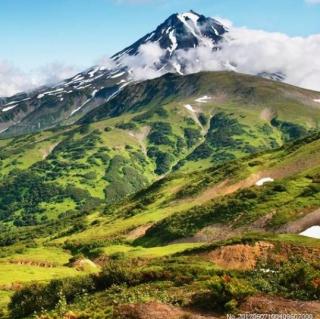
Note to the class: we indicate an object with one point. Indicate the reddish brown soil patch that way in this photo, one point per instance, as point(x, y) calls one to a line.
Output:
point(285, 251)
point(270, 304)
point(11, 287)
point(154, 310)
point(245, 257)
point(138, 232)
point(70, 315)
point(242, 257)
point(102, 260)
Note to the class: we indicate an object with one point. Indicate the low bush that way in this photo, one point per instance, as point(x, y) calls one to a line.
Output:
point(299, 280)
point(224, 294)
point(37, 297)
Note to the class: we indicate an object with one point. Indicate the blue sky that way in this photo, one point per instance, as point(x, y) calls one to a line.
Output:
point(36, 32)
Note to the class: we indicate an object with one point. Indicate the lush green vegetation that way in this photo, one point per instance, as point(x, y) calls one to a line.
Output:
point(167, 280)
point(150, 189)
point(286, 199)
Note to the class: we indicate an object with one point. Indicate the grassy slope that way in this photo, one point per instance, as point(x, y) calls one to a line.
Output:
point(163, 204)
point(182, 192)
point(241, 110)
point(88, 159)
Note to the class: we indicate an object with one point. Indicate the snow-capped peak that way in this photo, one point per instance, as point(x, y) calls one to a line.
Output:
point(180, 32)
point(153, 55)
point(191, 15)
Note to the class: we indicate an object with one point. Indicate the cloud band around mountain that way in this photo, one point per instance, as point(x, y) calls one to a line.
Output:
point(245, 50)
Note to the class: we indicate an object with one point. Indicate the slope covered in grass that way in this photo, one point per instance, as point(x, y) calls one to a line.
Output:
point(166, 179)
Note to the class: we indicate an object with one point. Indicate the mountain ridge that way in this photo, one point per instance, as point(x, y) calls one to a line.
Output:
point(28, 112)
point(153, 55)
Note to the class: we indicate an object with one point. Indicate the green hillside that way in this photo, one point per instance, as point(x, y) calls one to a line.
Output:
point(150, 197)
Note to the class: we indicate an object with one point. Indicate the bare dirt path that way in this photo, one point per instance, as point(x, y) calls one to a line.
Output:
point(141, 136)
point(47, 151)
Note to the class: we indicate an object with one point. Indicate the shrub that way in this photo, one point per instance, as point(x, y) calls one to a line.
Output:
point(299, 280)
point(222, 130)
point(37, 297)
point(25, 191)
point(84, 129)
point(192, 136)
point(163, 160)
point(311, 190)
point(160, 133)
point(203, 119)
point(201, 152)
point(290, 130)
point(90, 175)
point(116, 273)
point(31, 299)
point(127, 126)
point(225, 294)
point(124, 179)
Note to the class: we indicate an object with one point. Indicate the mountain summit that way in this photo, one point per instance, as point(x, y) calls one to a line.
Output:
point(184, 43)
point(181, 31)
point(151, 56)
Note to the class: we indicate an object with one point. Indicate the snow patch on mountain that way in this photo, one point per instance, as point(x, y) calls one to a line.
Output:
point(5, 129)
point(12, 102)
point(191, 28)
point(313, 232)
point(191, 15)
point(117, 75)
point(177, 67)
point(173, 41)
point(80, 107)
point(190, 108)
point(204, 99)
point(264, 180)
point(8, 108)
point(93, 72)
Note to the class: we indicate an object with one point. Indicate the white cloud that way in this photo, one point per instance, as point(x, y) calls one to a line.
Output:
point(106, 62)
point(14, 80)
point(246, 51)
point(226, 22)
point(145, 64)
point(53, 73)
point(253, 51)
point(250, 51)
